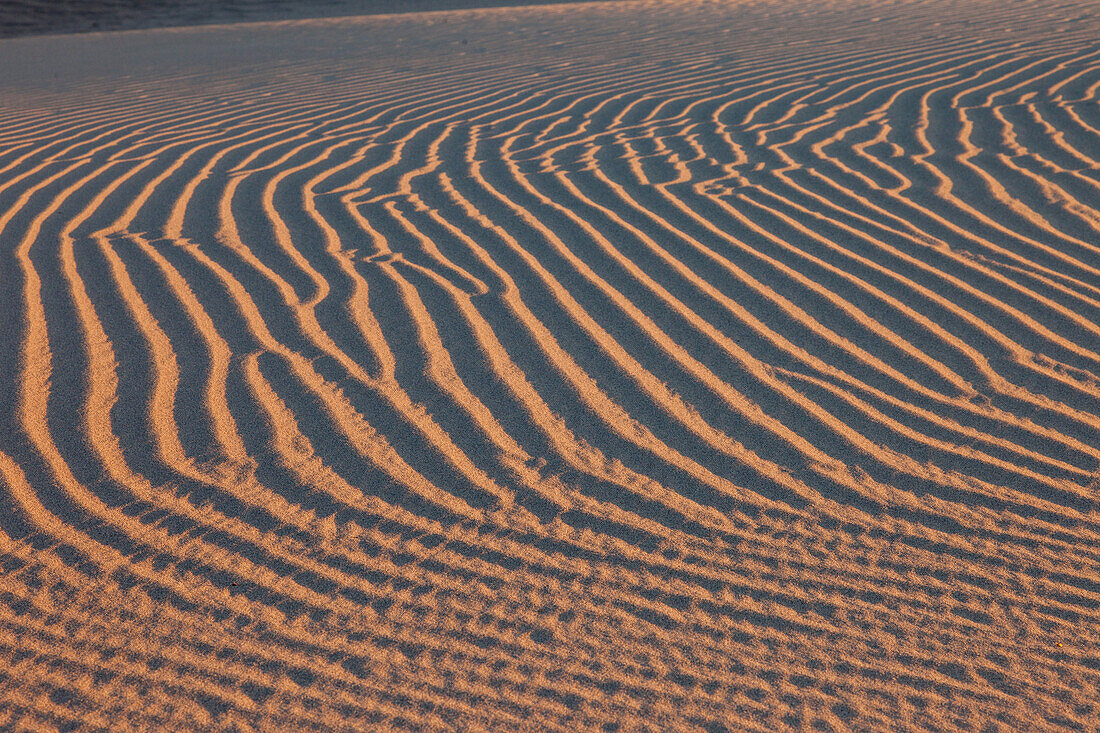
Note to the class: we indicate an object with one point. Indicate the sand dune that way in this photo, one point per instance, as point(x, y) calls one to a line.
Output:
point(622, 366)
point(38, 17)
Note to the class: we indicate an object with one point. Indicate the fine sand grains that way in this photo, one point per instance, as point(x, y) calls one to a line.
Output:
point(627, 366)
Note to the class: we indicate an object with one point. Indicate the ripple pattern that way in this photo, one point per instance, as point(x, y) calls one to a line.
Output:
point(660, 365)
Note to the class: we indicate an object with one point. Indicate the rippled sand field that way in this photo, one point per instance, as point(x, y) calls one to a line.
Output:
point(682, 365)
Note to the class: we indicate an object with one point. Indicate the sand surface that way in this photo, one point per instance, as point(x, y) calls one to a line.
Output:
point(679, 365)
point(49, 17)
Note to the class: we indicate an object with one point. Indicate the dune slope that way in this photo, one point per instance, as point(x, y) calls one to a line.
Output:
point(40, 17)
point(624, 366)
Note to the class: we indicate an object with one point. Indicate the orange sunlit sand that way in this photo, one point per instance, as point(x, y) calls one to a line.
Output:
point(637, 365)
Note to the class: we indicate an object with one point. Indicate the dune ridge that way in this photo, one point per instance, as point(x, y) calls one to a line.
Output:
point(718, 366)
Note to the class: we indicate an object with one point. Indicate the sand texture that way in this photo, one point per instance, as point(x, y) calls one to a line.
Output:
point(51, 17)
point(682, 365)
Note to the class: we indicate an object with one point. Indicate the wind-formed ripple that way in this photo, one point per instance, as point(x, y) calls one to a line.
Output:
point(675, 365)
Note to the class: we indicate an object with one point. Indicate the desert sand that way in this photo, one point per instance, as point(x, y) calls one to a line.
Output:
point(51, 17)
point(683, 365)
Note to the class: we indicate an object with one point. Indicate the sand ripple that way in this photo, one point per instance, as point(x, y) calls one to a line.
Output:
point(678, 365)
